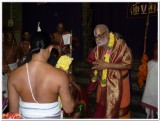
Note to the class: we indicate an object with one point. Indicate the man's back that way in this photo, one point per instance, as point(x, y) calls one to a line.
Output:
point(46, 84)
point(44, 79)
point(36, 84)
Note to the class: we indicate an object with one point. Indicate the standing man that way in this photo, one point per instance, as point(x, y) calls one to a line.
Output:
point(10, 56)
point(150, 94)
point(24, 45)
point(10, 51)
point(34, 92)
point(58, 41)
point(111, 60)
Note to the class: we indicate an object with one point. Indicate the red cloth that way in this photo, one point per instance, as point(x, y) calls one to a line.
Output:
point(101, 105)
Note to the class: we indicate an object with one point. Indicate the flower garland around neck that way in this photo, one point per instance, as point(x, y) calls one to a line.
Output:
point(106, 59)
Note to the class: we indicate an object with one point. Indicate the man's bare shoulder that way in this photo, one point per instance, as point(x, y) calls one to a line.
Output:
point(18, 70)
point(17, 73)
point(57, 72)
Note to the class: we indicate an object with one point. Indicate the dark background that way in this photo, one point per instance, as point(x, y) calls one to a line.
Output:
point(114, 15)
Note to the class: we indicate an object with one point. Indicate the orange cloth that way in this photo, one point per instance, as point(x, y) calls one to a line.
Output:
point(128, 116)
point(126, 93)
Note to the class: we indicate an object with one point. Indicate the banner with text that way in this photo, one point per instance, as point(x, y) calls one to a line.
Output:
point(142, 9)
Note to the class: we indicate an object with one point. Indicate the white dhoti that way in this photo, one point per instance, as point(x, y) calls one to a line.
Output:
point(150, 95)
point(40, 110)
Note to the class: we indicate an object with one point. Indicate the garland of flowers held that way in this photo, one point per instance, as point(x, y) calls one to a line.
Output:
point(106, 59)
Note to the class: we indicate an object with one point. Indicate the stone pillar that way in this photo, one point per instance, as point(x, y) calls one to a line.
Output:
point(86, 28)
point(14, 11)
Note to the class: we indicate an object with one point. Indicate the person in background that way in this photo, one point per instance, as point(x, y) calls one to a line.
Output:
point(63, 63)
point(58, 41)
point(5, 70)
point(24, 45)
point(150, 94)
point(34, 92)
point(10, 56)
point(80, 108)
point(111, 60)
point(53, 57)
point(10, 50)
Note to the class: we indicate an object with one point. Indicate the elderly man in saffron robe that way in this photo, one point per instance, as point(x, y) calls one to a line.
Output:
point(111, 60)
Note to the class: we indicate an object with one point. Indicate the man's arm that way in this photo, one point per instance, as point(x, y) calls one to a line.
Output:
point(68, 102)
point(99, 65)
point(12, 95)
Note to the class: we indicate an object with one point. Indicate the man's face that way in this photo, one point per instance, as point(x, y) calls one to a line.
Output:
point(60, 28)
point(10, 36)
point(101, 37)
point(26, 35)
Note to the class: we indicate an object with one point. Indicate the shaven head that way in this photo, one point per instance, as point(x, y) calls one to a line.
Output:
point(60, 27)
point(102, 28)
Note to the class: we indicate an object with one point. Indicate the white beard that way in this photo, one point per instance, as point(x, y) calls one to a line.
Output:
point(102, 42)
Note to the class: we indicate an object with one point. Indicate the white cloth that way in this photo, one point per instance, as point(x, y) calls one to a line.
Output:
point(150, 95)
point(66, 39)
point(12, 66)
point(5, 78)
point(39, 110)
point(4, 88)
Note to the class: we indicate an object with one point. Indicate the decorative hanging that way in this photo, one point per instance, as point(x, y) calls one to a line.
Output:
point(38, 27)
point(143, 70)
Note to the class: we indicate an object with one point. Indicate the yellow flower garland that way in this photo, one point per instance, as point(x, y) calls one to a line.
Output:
point(64, 62)
point(106, 59)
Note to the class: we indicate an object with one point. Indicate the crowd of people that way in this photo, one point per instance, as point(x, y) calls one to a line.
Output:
point(38, 82)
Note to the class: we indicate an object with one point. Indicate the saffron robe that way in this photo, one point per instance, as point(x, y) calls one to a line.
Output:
point(114, 99)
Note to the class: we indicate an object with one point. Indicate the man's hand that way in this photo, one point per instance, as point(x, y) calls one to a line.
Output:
point(99, 65)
